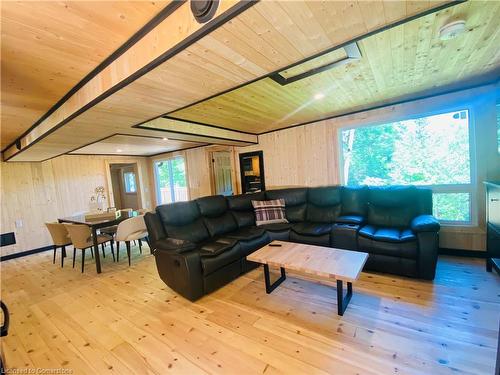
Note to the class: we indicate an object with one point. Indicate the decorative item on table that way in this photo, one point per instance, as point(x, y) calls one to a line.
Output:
point(100, 197)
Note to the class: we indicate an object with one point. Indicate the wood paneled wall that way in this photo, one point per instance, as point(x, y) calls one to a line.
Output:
point(35, 193)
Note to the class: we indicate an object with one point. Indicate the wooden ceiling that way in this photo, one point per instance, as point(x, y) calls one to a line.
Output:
point(249, 43)
point(397, 63)
point(122, 144)
point(47, 47)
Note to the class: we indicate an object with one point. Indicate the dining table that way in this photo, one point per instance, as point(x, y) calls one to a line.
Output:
point(96, 223)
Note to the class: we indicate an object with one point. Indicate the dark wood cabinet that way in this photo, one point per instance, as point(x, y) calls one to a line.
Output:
point(493, 225)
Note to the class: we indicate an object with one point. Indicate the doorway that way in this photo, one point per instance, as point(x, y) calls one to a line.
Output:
point(222, 173)
point(125, 192)
point(252, 172)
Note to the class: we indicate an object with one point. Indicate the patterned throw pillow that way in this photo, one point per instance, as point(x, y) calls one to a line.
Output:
point(269, 212)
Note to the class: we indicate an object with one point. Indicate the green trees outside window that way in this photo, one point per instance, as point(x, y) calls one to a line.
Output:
point(430, 151)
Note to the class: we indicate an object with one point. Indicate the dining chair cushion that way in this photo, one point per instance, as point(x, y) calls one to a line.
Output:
point(59, 234)
point(130, 226)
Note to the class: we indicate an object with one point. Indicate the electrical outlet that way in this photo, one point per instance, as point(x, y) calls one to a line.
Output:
point(19, 223)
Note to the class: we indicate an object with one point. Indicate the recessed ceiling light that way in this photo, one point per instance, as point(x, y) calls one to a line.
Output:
point(452, 30)
point(165, 138)
point(119, 150)
point(319, 96)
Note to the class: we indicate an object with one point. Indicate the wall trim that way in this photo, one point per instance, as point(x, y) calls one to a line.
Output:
point(26, 253)
point(463, 253)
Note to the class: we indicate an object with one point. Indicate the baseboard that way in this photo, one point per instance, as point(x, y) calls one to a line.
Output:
point(25, 253)
point(463, 253)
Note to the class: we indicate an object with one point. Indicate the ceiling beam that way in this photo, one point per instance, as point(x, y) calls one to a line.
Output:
point(165, 40)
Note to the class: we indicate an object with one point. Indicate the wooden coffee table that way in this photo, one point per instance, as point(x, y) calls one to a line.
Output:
point(337, 264)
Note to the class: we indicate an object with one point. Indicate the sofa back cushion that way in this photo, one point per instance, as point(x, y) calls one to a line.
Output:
point(392, 206)
point(241, 208)
point(216, 216)
point(354, 200)
point(323, 204)
point(182, 220)
point(295, 202)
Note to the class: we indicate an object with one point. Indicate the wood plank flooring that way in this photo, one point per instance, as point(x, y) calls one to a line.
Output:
point(126, 321)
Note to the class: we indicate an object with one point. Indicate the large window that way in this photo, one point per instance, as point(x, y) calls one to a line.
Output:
point(429, 151)
point(170, 179)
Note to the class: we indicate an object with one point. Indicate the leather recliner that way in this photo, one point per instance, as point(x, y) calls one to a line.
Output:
point(202, 245)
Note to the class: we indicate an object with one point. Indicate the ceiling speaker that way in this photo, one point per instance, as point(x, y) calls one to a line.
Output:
point(204, 10)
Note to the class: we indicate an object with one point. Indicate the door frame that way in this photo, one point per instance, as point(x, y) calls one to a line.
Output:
point(138, 175)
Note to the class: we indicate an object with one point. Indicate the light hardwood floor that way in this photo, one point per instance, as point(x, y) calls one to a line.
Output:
point(126, 321)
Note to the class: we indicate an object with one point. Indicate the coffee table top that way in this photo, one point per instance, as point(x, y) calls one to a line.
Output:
point(310, 259)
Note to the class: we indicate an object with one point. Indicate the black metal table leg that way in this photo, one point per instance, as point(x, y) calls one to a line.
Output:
point(270, 287)
point(342, 301)
point(96, 248)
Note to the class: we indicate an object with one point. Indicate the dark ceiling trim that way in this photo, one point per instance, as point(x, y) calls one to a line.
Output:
point(198, 123)
point(237, 9)
point(354, 40)
point(196, 135)
point(409, 100)
point(352, 54)
point(182, 149)
point(72, 152)
point(155, 21)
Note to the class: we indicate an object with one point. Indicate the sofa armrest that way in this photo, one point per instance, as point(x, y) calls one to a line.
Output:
point(155, 228)
point(181, 271)
point(175, 245)
point(425, 223)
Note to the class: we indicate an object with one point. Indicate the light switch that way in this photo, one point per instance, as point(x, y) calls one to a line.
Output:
point(19, 223)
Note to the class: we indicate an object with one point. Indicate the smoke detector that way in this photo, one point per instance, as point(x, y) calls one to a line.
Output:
point(452, 30)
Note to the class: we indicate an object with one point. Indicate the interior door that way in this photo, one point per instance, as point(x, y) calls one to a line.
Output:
point(222, 172)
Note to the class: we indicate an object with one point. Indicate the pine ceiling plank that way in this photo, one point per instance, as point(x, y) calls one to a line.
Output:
point(181, 80)
point(48, 47)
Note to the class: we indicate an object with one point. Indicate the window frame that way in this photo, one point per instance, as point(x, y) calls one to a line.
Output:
point(156, 178)
point(126, 184)
point(470, 188)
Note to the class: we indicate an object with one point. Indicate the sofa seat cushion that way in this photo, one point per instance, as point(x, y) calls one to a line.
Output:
point(395, 235)
point(276, 227)
point(246, 233)
point(407, 250)
point(175, 245)
point(312, 229)
point(350, 219)
point(219, 253)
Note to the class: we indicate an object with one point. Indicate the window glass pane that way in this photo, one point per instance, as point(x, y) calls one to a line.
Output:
point(426, 151)
point(451, 206)
point(171, 180)
point(130, 186)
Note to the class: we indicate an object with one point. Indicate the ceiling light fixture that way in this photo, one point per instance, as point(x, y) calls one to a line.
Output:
point(319, 96)
point(452, 30)
point(119, 150)
point(165, 138)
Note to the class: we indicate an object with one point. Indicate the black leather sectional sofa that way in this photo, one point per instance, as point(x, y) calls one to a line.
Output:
point(202, 245)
